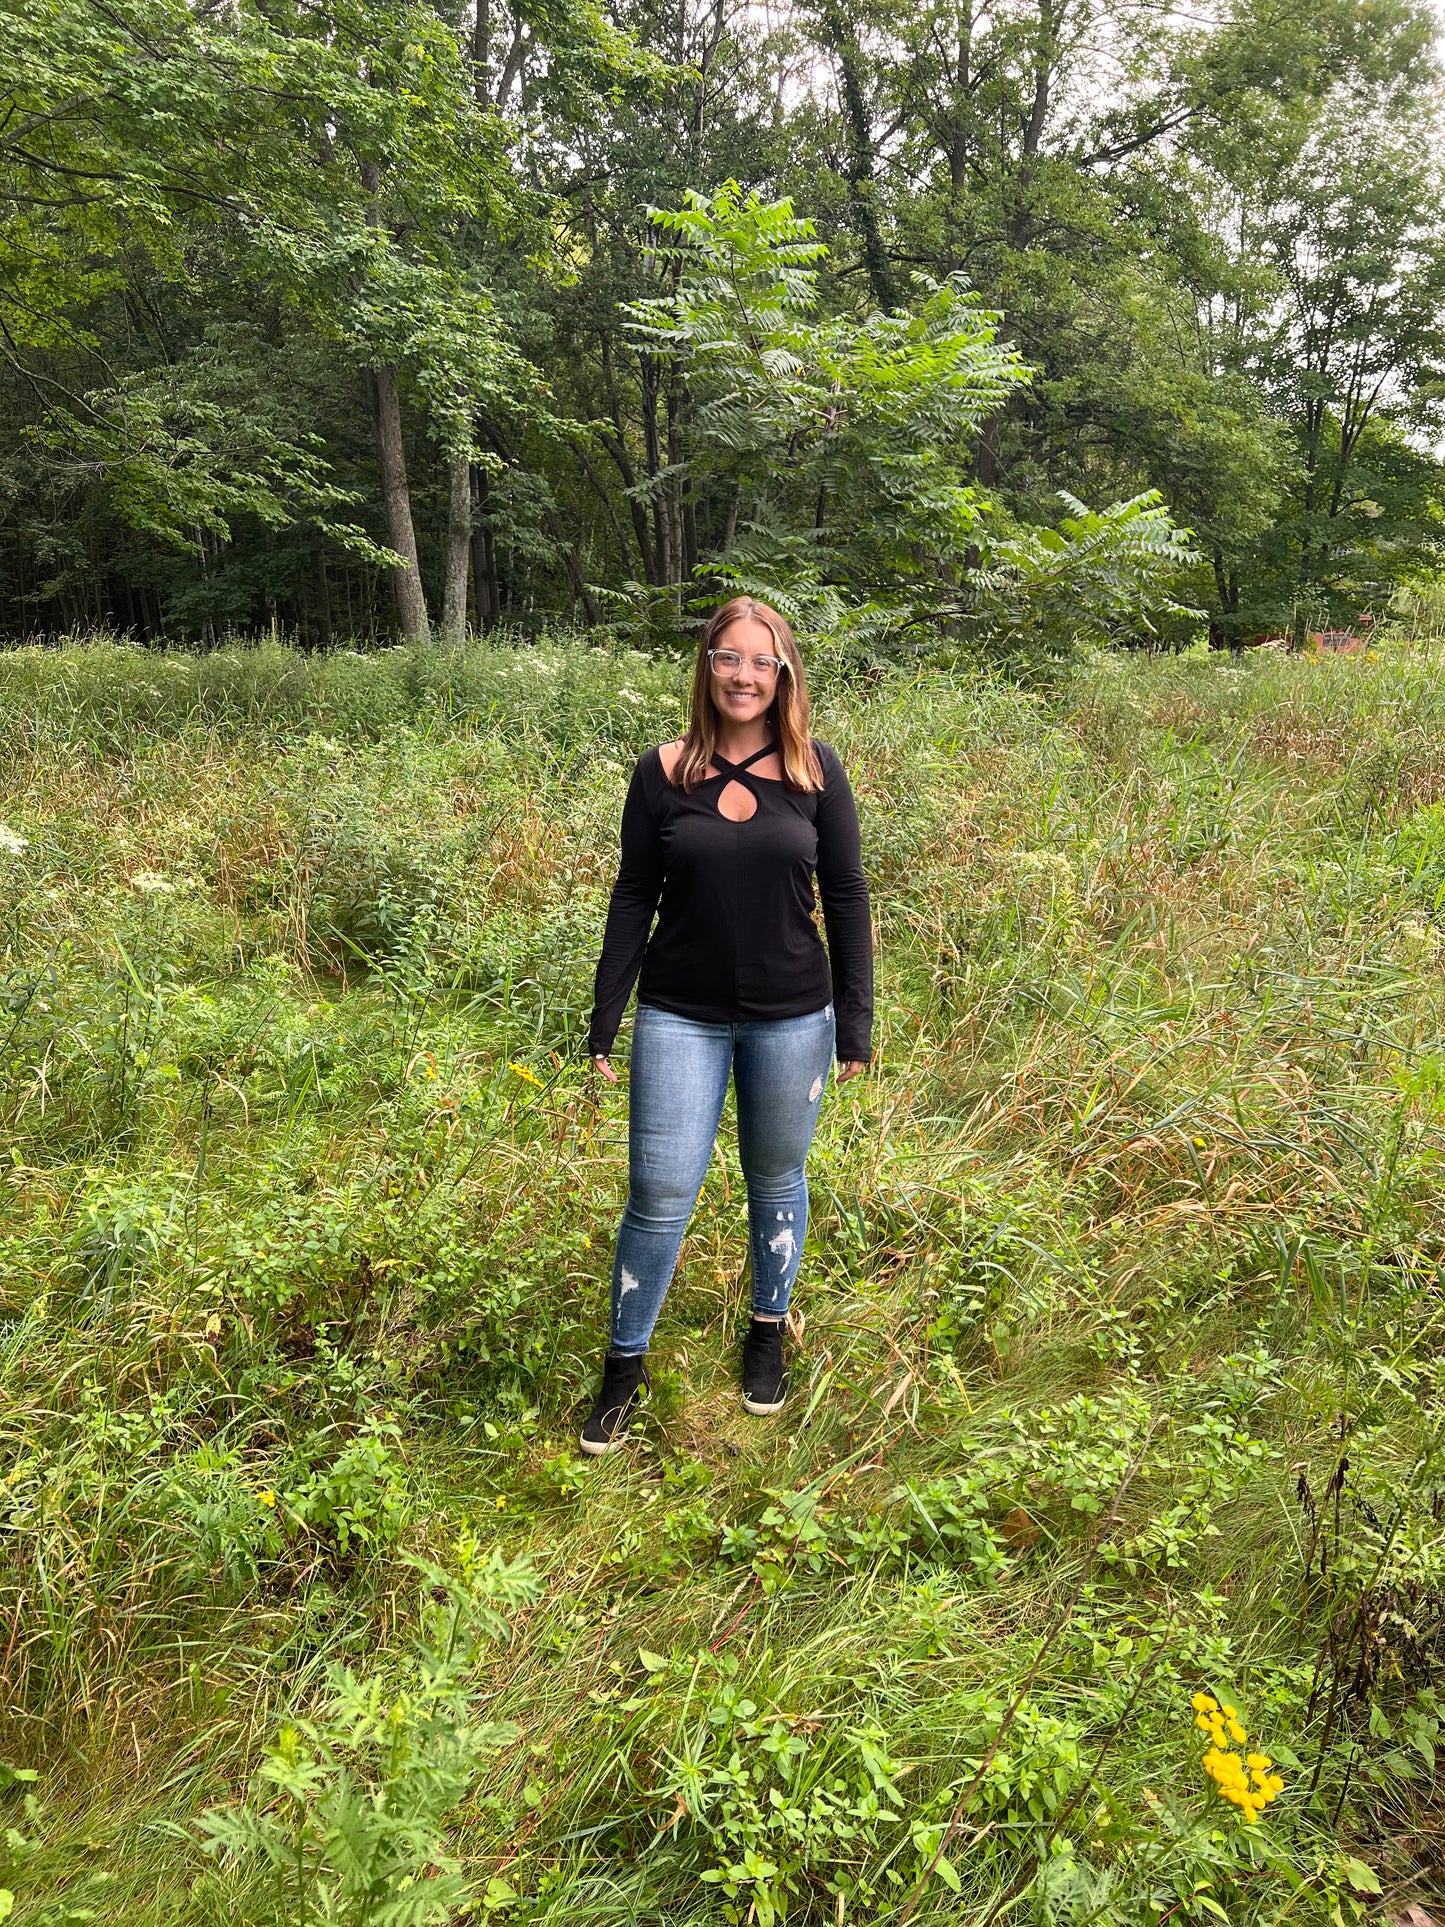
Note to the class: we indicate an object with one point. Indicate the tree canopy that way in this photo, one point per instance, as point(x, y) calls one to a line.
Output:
point(948, 319)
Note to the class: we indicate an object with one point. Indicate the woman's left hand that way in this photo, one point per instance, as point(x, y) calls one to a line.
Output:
point(849, 1070)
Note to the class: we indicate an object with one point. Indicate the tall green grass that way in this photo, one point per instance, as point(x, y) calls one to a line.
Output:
point(1119, 1381)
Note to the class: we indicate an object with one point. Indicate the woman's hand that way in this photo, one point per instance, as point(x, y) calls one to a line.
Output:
point(846, 1071)
point(601, 1064)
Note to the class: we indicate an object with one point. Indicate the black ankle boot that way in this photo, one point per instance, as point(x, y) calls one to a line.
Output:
point(623, 1382)
point(765, 1376)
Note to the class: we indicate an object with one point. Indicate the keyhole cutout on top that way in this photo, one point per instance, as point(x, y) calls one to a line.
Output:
point(736, 802)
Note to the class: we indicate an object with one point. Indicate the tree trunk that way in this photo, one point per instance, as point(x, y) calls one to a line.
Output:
point(862, 189)
point(572, 563)
point(1019, 228)
point(324, 612)
point(616, 446)
point(986, 461)
point(400, 532)
point(599, 488)
point(459, 533)
point(650, 375)
point(730, 531)
point(684, 525)
point(484, 555)
point(482, 52)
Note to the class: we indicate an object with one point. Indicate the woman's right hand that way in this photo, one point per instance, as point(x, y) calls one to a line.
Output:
point(602, 1064)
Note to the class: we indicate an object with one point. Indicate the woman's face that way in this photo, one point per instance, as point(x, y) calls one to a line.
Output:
point(744, 691)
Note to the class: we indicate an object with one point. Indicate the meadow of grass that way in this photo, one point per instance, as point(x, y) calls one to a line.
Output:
point(1119, 1385)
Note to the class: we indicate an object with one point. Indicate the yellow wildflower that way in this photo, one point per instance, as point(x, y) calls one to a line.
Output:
point(267, 1497)
point(527, 1075)
point(1246, 1783)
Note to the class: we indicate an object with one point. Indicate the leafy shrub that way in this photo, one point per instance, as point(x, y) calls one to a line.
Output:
point(16, 1847)
point(370, 897)
point(349, 1809)
point(1102, 576)
point(291, 1253)
point(359, 1499)
point(123, 1227)
point(231, 1523)
point(953, 1516)
point(846, 437)
point(784, 1807)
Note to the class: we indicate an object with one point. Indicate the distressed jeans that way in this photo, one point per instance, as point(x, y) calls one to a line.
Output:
point(679, 1078)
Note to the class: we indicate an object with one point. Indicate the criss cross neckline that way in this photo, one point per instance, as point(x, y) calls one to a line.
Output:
point(731, 770)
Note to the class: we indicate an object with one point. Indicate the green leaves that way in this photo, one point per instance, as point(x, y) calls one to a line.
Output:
point(318, 161)
point(845, 442)
point(192, 445)
point(1361, 1878)
point(1102, 576)
point(350, 1808)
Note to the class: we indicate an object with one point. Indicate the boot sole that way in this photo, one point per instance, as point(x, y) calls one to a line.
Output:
point(596, 1451)
point(759, 1410)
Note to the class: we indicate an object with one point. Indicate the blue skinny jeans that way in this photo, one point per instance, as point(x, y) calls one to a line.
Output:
point(679, 1079)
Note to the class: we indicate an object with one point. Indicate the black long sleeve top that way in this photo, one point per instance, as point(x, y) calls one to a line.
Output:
point(737, 936)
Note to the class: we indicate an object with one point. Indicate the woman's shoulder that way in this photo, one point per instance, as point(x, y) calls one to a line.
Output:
point(664, 757)
point(830, 762)
point(649, 768)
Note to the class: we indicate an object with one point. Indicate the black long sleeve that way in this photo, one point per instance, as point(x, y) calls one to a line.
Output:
point(736, 937)
point(629, 917)
point(847, 915)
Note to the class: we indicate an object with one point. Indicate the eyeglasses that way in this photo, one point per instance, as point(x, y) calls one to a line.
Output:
point(727, 662)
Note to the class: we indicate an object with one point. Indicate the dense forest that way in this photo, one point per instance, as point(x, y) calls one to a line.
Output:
point(1012, 319)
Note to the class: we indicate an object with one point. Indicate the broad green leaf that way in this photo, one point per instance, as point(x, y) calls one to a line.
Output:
point(1361, 1877)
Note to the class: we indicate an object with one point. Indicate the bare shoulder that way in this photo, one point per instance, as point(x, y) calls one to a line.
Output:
point(667, 755)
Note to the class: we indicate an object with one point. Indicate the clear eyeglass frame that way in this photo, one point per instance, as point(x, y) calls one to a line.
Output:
point(726, 661)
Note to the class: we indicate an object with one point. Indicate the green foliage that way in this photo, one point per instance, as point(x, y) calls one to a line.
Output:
point(349, 1808)
point(17, 1845)
point(234, 1532)
point(257, 256)
point(781, 1808)
point(359, 1499)
point(1101, 577)
point(1117, 1386)
point(954, 1515)
point(196, 446)
point(845, 443)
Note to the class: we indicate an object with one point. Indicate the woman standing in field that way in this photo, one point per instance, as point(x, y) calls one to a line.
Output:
point(722, 833)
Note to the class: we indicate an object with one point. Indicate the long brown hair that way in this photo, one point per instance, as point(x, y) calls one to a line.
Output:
point(787, 713)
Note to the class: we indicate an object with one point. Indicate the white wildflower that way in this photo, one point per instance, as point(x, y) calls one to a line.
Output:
point(1043, 875)
point(12, 843)
point(1416, 935)
point(151, 884)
